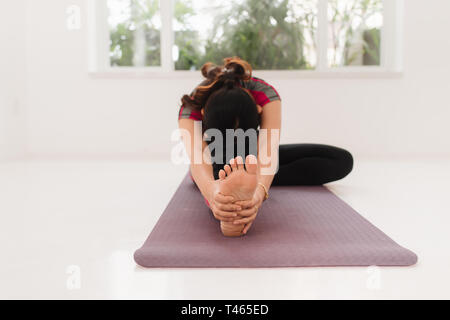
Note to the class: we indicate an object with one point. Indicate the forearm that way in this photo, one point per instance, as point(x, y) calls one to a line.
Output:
point(201, 170)
point(268, 149)
point(265, 179)
point(204, 178)
point(268, 144)
point(267, 159)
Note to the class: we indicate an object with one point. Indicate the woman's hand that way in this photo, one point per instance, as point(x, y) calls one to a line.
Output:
point(223, 207)
point(249, 210)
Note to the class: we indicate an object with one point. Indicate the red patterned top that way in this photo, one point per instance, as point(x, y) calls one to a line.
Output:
point(261, 91)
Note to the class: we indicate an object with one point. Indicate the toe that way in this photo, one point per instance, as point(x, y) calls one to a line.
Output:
point(233, 164)
point(251, 164)
point(227, 169)
point(239, 162)
point(222, 175)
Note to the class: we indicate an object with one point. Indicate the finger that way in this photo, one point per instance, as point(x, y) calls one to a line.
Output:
point(218, 197)
point(247, 226)
point(247, 212)
point(245, 220)
point(239, 162)
point(220, 218)
point(225, 214)
point(227, 169)
point(233, 164)
point(222, 175)
point(223, 219)
point(228, 207)
point(246, 203)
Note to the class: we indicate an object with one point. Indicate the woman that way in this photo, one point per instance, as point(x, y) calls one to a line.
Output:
point(231, 98)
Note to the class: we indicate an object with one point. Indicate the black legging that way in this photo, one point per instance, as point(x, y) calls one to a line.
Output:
point(309, 164)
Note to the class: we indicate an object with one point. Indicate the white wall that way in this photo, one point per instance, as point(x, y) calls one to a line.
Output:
point(12, 79)
point(71, 114)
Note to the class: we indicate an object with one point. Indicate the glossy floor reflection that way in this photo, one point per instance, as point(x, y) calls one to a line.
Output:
point(69, 229)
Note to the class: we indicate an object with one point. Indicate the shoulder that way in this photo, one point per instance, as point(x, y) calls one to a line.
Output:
point(262, 91)
point(188, 112)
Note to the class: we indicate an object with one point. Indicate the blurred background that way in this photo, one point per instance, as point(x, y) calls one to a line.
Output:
point(104, 78)
point(89, 97)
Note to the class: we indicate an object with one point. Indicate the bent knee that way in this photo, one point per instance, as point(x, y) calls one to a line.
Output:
point(345, 163)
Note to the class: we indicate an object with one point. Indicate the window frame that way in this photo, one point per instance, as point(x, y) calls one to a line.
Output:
point(390, 64)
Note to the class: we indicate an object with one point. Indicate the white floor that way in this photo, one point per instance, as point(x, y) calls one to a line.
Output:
point(68, 230)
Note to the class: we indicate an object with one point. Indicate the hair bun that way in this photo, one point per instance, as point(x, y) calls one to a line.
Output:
point(227, 76)
point(210, 70)
point(240, 68)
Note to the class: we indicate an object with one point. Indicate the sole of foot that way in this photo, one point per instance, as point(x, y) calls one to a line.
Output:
point(240, 182)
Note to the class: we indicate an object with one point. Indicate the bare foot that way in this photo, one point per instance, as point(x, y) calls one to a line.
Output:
point(239, 182)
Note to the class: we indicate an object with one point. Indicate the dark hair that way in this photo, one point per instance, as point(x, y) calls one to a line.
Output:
point(226, 103)
point(230, 108)
point(222, 77)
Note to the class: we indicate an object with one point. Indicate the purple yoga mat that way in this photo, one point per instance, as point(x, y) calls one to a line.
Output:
point(297, 227)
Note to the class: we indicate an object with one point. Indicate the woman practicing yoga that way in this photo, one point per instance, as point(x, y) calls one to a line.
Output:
point(235, 181)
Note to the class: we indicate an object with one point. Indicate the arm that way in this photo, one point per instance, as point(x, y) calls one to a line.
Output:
point(202, 171)
point(268, 144)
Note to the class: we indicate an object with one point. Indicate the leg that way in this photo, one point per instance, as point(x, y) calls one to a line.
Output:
point(312, 164)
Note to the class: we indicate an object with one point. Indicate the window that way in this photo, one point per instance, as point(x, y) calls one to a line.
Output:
point(134, 33)
point(354, 32)
point(314, 35)
point(271, 35)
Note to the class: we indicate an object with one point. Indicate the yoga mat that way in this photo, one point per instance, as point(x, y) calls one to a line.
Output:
point(297, 226)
